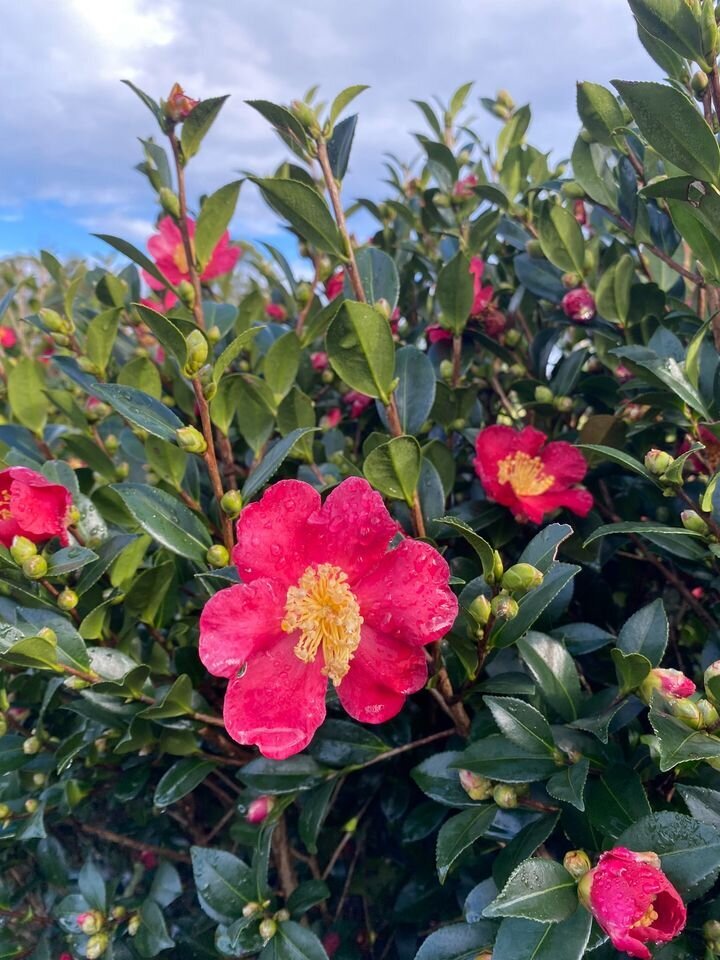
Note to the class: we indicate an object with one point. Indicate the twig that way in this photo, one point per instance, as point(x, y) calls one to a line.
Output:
point(396, 751)
point(138, 845)
point(283, 858)
point(334, 192)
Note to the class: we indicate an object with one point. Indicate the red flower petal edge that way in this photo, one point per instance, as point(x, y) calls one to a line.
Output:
point(33, 507)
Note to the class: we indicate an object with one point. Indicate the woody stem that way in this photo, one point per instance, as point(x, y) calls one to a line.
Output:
point(334, 193)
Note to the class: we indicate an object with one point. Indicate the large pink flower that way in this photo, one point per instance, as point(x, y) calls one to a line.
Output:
point(519, 470)
point(168, 251)
point(33, 507)
point(633, 901)
point(323, 597)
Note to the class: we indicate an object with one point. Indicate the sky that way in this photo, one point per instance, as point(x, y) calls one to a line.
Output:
point(70, 127)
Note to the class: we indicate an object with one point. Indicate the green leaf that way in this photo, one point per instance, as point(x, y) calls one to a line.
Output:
point(232, 351)
point(631, 669)
point(285, 123)
point(26, 393)
point(481, 547)
point(641, 527)
point(561, 238)
point(678, 743)
point(223, 882)
point(616, 800)
point(314, 807)
point(197, 124)
point(69, 559)
point(152, 935)
point(181, 779)
point(457, 941)
point(415, 392)
point(542, 550)
point(460, 832)
point(166, 519)
point(165, 331)
point(498, 758)
point(340, 743)
point(294, 942)
point(532, 605)
point(167, 460)
point(673, 127)
point(101, 333)
point(523, 845)
point(554, 672)
point(455, 292)
point(592, 172)
point(702, 241)
point(307, 895)
point(393, 468)
point(646, 632)
point(529, 940)
point(539, 890)
point(613, 290)
point(268, 776)
point(438, 777)
point(521, 723)
point(343, 99)
point(361, 350)
point(272, 461)
point(618, 456)
point(339, 146)
point(176, 702)
point(213, 219)
point(305, 210)
point(139, 408)
point(32, 652)
point(675, 24)
point(703, 803)
point(152, 106)
point(137, 256)
point(599, 111)
point(281, 365)
point(568, 785)
point(378, 276)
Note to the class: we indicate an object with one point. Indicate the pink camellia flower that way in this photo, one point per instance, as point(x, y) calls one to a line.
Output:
point(179, 105)
point(358, 402)
point(465, 189)
point(65, 956)
point(633, 901)
point(520, 470)
point(331, 419)
point(494, 322)
point(703, 459)
point(32, 507)
point(168, 251)
point(322, 598)
point(670, 683)
point(319, 361)
point(334, 285)
point(579, 305)
point(259, 809)
point(437, 334)
point(276, 311)
point(481, 295)
point(8, 337)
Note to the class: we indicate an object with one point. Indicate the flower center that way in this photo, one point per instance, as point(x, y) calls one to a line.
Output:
point(326, 612)
point(180, 258)
point(525, 474)
point(5, 513)
point(649, 917)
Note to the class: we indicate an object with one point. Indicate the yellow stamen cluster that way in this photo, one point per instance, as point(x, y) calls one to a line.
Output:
point(5, 505)
point(648, 918)
point(525, 474)
point(323, 608)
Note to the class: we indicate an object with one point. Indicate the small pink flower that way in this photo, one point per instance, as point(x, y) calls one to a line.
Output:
point(179, 105)
point(319, 361)
point(633, 901)
point(32, 507)
point(437, 334)
point(579, 305)
point(623, 374)
point(331, 419)
point(259, 809)
point(168, 250)
point(276, 311)
point(481, 295)
point(8, 337)
point(395, 318)
point(358, 402)
point(493, 322)
point(698, 593)
point(334, 285)
point(465, 189)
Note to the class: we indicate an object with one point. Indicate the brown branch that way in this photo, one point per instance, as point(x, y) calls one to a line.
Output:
point(334, 193)
point(396, 751)
point(456, 359)
point(111, 837)
point(283, 858)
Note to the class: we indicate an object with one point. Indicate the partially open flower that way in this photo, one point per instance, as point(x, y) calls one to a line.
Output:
point(670, 683)
point(579, 305)
point(32, 507)
point(464, 189)
point(334, 285)
point(358, 402)
point(179, 105)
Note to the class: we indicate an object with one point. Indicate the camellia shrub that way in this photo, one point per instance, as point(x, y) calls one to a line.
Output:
point(369, 608)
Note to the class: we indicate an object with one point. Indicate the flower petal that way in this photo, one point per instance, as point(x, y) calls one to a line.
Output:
point(277, 704)
point(39, 507)
point(238, 623)
point(396, 665)
point(366, 699)
point(578, 500)
point(223, 259)
point(565, 462)
point(272, 533)
point(407, 595)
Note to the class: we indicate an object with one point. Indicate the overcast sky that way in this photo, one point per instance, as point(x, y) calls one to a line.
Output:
point(69, 127)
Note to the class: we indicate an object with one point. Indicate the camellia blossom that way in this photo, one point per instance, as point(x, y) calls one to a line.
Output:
point(633, 901)
point(322, 598)
point(482, 295)
point(259, 808)
point(319, 361)
point(464, 189)
point(670, 683)
point(33, 507)
point(520, 470)
point(493, 320)
point(276, 311)
point(168, 251)
point(358, 402)
point(8, 337)
point(579, 305)
point(179, 105)
point(334, 285)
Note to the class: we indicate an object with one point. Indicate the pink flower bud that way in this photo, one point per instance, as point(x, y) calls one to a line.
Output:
point(331, 942)
point(358, 402)
point(179, 105)
point(579, 212)
point(259, 809)
point(334, 285)
point(8, 337)
point(464, 189)
point(276, 311)
point(319, 360)
point(579, 305)
point(148, 859)
point(475, 786)
point(670, 683)
point(331, 419)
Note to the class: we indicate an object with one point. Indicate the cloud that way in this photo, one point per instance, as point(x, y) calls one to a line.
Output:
point(70, 128)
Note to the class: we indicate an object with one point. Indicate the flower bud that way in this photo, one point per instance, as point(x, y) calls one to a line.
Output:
point(670, 683)
point(573, 190)
point(190, 439)
point(31, 746)
point(694, 522)
point(3, 725)
point(53, 321)
point(31, 805)
point(446, 369)
point(118, 913)
point(22, 549)
point(505, 796)
point(563, 404)
point(475, 786)
point(259, 809)
point(512, 337)
point(570, 280)
point(122, 470)
point(480, 610)
point(687, 712)
point(504, 98)
point(708, 714)
point(544, 395)
point(711, 681)
point(96, 946)
point(214, 334)
point(699, 83)
point(67, 599)
point(197, 352)
point(304, 113)
point(178, 105)
point(5, 811)
point(577, 863)
point(521, 577)
point(251, 908)
point(133, 924)
point(48, 635)
point(90, 922)
point(711, 930)
point(282, 915)
point(35, 567)
point(504, 607)
point(658, 461)
point(579, 305)
point(382, 307)
point(187, 293)
point(232, 503)
point(217, 556)
point(39, 779)
point(584, 888)
point(267, 929)
point(495, 575)
point(169, 202)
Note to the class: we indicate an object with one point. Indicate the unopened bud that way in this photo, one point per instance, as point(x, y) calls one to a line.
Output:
point(521, 577)
point(31, 805)
point(383, 308)
point(446, 369)
point(577, 863)
point(512, 337)
point(658, 461)
point(217, 556)
point(699, 83)
point(67, 599)
point(672, 684)
point(35, 567)
point(694, 522)
point(39, 779)
point(564, 404)
point(133, 924)
point(5, 811)
point(96, 946)
point(708, 714)
point(22, 548)
point(504, 607)
point(197, 352)
point(31, 746)
point(232, 503)
point(282, 915)
point(187, 293)
point(505, 796)
point(475, 786)
point(169, 202)
point(304, 113)
point(584, 887)
point(303, 293)
point(544, 395)
point(480, 610)
point(118, 913)
point(495, 575)
point(711, 680)
point(267, 929)
point(74, 515)
point(570, 280)
point(504, 98)
point(190, 439)
point(53, 321)
point(178, 105)
point(259, 809)
point(687, 712)
point(122, 470)
point(214, 334)
point(711, 930)
point(91, 922)
point(49, 635)
point(251, 908)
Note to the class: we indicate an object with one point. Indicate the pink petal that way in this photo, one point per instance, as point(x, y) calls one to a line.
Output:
point(238, 623)
point(565, 462)
point(396, 665)
point(407, 595)
point(39, 507)
point(223, 259)
point(272, 533)
point(278, 703)
point(577, 500)
point(367, 700)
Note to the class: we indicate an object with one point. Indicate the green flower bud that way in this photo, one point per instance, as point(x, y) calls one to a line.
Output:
point(571, 280)
point(22, 549)
point(267, 929)
point(712, 683)
point(92, 922)
point(693, 521)
point(303, 293)
point(112, 443)
point(563, 404)
point(521, 577)
point(48, 634)
point(5, 811)
point(122, 470)
point(251, 908)
point(304, 113)
point(505, 796)
point(96, 946)
point(495, 576)
point(504, 98)
point(708, 714)
point(711, 930)
point(35, 567)
point(446, 369)
point(190, 439)
point(214, 334)
point(382, 307)
point(217, 556)
point(31, 746)
point(658, 461)
point(475, 786)
point(232, 503)
point(53, 321)
point(187, 293)
point(39, 779)
point(67, 599)
point(504, 607)
point(31, 805)
point(169, 202)
point(544, 395)
point(3, 725)
point(577, 863)
point(133, 924)
point(687, 712)
point(512, 337)
point(584, 888)
point(480, 610)
point(282, 915)
point(118, 913)
point(197, 352)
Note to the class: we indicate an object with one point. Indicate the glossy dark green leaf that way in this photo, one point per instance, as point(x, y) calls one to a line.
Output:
point(393, 468)
point(561, 238)
point(378, 275)
point(137, 256)
point(528, 940)
point(415, 392)
point(304, 209)
point(568, 784)
point(599, 112)
point(498, 758)
point(439, 778)
point(523, 845)
point(457, 941)
point(272, 461)
point(213, 219)
point(521, 723)
point(455, 292)
point(361, 350)
point(646, 632)
point(460, 832)
point(554, 672)
point(224, 883)
point(295, 773)
point(678, 743)
point(340, 145)
point(539, 890)
point(181, 779)
point(197, 124)
point(166, 519)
